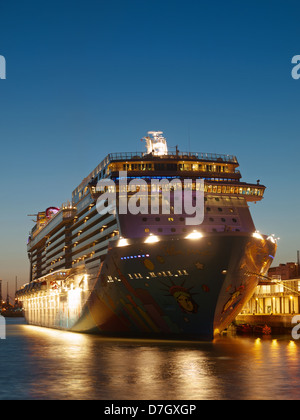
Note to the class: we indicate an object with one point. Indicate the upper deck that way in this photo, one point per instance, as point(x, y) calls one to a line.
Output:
point(219, 170)
point(157, 158)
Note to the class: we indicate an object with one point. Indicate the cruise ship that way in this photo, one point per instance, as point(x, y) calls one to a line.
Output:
point(148, 273)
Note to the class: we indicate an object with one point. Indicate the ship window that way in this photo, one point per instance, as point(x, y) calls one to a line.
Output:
point(211, 219)
point(173, 230)
point(157, 219)
point(223, 220)
point(220, 209)
point(234, 220)
point(144, 219)
point(160, 230)
point(147, 230)
point(181, 219)
point(208, 208)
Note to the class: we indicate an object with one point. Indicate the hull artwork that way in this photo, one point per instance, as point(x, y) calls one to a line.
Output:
point(178, 288)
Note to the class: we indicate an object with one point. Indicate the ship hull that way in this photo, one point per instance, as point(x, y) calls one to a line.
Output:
point(177, 288)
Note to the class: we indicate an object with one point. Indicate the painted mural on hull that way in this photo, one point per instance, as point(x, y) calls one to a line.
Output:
point(176, 289)
point(172, 288)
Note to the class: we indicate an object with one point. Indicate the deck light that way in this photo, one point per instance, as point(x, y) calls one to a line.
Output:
point(257, 235)
point(194, 235)
point(272, 239)
point(123, 242)
point(151, 239)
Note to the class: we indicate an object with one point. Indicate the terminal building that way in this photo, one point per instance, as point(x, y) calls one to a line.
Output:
point(276, 299)
point(280, 294)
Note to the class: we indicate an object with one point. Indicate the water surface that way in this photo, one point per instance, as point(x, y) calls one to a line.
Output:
point(40, 363)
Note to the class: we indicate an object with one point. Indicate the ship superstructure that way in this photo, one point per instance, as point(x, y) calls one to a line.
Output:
point(148, 272)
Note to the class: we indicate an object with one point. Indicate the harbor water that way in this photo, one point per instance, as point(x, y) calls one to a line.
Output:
point(40, 363)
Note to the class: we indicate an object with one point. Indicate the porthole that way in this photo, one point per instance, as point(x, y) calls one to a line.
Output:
point(211, 219)
point(223, 220)
point(220, 209)
point(234, 220)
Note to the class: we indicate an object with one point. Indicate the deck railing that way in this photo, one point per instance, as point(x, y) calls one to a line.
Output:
point(112, 157)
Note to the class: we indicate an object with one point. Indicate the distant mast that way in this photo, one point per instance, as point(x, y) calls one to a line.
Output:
point(156, 143)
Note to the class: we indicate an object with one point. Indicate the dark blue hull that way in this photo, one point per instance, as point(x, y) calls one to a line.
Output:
point(178, 288)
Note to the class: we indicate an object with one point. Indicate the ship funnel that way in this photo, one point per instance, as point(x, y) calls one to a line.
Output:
point(156, 143)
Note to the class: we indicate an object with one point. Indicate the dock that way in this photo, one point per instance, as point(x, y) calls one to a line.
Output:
point(279, 323)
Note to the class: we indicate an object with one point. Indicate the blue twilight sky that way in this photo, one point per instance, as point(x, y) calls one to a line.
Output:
point(86, 78)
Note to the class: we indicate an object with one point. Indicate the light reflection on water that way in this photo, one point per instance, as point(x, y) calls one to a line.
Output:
point(39, 363)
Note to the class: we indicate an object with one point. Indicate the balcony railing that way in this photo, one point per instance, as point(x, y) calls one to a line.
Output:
point(213, 157)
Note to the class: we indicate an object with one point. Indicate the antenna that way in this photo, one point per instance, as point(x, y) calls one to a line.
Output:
point(7, 296)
